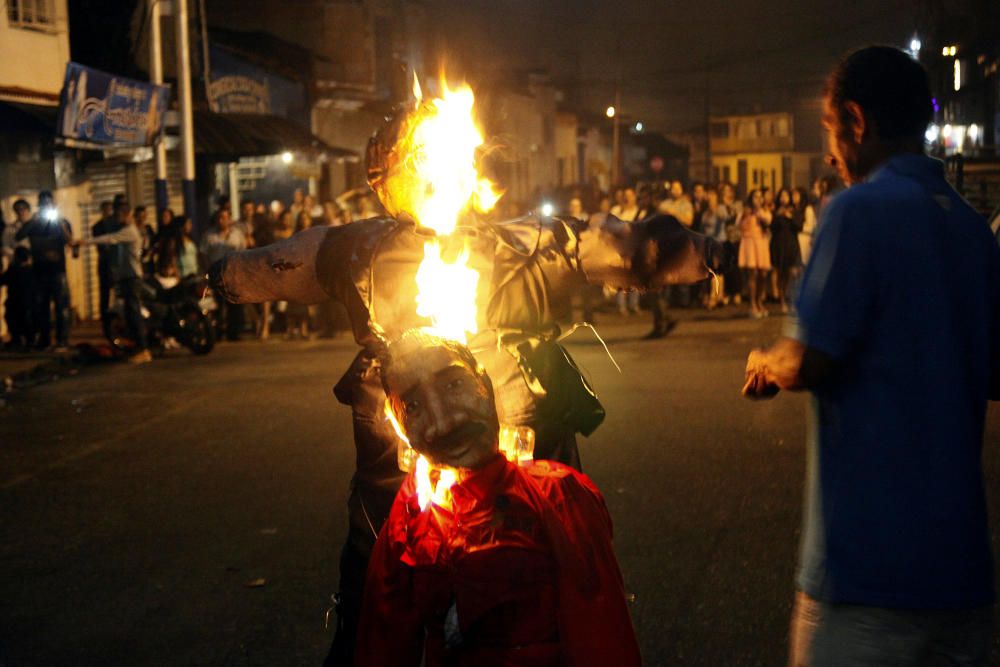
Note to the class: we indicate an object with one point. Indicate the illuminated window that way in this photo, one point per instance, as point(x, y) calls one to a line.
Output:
point(38, 14)
point(958, 75)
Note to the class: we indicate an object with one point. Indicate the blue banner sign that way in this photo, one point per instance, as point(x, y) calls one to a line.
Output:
point(103, 108)
point(239, 86)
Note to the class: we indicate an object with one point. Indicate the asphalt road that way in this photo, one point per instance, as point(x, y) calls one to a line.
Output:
point(190, 511)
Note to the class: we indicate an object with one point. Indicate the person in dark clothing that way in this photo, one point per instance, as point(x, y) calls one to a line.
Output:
point(105, 282)
point(785, 254)
point(126, 268)
point(19, 305)
point(49, 234)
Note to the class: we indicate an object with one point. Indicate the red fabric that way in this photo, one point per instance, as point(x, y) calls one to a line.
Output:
point(525, 556)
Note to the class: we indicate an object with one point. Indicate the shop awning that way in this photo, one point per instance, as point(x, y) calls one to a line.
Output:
point(24, 118)
point(235, 135)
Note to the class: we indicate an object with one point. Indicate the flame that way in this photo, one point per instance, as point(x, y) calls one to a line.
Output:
point(441, 158)
point(446, 294)
point(418, 93)
point(427, 491)
point(438, 182)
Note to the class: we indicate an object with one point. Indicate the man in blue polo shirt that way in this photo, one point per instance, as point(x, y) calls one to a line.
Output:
point(898, 339)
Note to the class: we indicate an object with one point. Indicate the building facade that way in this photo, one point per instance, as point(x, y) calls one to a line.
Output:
point(772, 150)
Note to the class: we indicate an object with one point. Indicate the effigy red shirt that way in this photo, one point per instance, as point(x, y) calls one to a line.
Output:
point(517, 569)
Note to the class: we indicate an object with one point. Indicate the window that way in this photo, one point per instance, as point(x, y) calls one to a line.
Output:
point(746, 129)
point(38, 14)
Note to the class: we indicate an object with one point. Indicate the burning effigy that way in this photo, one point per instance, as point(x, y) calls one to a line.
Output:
point(435, 263)
point(513, 565)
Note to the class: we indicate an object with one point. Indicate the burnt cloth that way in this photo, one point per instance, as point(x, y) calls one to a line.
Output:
point(521, 558)
point(526, 266)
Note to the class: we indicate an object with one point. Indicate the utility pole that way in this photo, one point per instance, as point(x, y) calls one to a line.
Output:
point(184, 109)
point(615, 140)
point(616, 116)
point(156, 77)
point(708, 120)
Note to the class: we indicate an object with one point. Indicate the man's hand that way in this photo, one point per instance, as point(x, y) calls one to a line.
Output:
point(788, 364)
point(757, 385)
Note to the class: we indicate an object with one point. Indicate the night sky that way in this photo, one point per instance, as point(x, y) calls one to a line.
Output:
point(758, 54)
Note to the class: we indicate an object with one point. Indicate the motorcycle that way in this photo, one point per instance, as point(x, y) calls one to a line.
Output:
point(174, 311)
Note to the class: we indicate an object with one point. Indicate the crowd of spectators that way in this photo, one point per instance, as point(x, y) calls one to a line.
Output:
point(36, 243)
point(766, 235)
point(259, 223)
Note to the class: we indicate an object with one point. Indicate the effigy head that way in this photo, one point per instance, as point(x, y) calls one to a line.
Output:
point(442, 398)
point(423, 163)
point(386, 155)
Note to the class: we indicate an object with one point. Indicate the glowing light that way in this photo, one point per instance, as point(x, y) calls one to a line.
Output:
point(946, 132)
point(423, 471)
point(286, 157)
point(973, 133)
point(639, 126)
point(446, 293)
point(610, 112)
point(440, 180)
point(952, 50)
point(547, 209)
point(958, 75)
point(932, 133)
point(427, 491)
point(915, 47)
point(418, 93)
point(51, 214)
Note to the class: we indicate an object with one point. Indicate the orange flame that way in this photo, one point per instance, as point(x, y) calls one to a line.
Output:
point(437, 183)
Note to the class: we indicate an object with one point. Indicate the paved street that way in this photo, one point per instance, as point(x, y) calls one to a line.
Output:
point(191, 511)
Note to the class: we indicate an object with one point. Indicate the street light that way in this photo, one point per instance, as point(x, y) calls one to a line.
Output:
point(286, 157)
point(915, 47)
point(610, 113)
point(639, 126)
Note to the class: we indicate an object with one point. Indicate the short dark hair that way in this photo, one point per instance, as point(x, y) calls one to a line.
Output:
point(889, 85)
point(139, 209)
point(121, 206)
point(21, 204)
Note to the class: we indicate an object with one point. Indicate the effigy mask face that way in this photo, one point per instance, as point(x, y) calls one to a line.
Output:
point(385, 163)
point(445, 406)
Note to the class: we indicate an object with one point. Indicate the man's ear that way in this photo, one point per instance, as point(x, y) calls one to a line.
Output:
point(859, 122)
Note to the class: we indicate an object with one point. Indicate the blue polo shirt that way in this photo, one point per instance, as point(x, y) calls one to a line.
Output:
point(903, 290)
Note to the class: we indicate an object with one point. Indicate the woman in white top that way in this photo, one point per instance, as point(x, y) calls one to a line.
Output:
point(800, 200)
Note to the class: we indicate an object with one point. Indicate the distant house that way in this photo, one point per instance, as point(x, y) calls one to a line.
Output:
point(774, 150)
